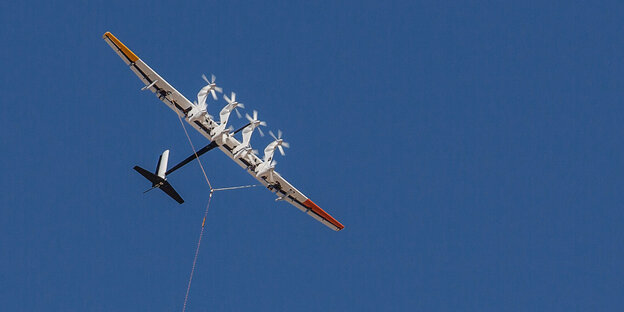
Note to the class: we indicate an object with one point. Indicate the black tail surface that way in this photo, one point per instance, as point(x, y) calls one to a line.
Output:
point(161, 183)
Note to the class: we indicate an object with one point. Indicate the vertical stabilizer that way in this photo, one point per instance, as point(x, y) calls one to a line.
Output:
point(161, 168)
point(158, 179)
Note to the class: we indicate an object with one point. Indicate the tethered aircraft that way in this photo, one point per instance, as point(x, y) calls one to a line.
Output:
point(220, 136)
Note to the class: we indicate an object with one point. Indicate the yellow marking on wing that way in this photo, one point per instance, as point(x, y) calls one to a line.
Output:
point(129, 54)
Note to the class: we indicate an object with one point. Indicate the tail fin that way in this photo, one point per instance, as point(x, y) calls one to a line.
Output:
point(158, 180)
point(161, 168)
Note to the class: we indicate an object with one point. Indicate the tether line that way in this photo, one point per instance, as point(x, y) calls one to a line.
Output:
point(212, 190)
point(234, 187)
point(194, 151)
point(201, 233)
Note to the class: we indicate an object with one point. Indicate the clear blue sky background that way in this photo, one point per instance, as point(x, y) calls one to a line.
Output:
point(472, 149)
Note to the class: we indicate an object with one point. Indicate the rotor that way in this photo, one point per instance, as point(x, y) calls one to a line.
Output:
point(233, 104)
point(279, 142)
point(255, 123)
point(210, 87)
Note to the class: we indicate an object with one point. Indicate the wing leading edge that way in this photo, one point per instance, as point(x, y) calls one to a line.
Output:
point(181, 105)
point(163, 90)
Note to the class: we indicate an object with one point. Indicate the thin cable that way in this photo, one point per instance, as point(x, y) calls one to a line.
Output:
point(234, 187)
point(195, 152)
point(201, 234)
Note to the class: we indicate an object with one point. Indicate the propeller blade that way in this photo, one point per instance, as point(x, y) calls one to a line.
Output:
point(233, 97)
point(286, 144)
point(279, 133)
point(238, 113)
point(218, 89)
point(226, 98)
point(261, 133)
point(206, 79)
point(213, 78)
point(255, 114)
point(214, 95)
point(273, 135)
point(241, 105)
point(263, 123)
point(248, 117)
point(281, 150)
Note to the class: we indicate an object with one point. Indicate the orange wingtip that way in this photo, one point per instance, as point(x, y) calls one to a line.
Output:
point(129, 54)
point(312, 206)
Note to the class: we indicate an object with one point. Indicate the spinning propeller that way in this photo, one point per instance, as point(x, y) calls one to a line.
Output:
point(234, 104)
point(210, 87)
point(279, 142)
point(255, 123)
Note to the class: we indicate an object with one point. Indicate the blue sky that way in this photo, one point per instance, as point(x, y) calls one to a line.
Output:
point(473, 150)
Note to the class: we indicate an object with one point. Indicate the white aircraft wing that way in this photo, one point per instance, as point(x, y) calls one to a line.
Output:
point(181, 105)
point(149, 77)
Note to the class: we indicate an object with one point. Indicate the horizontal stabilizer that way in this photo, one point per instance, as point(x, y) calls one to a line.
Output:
point(148, 175)
point(168, 189)
point(161, 183)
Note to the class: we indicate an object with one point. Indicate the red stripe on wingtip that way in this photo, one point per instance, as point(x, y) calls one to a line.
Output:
point(312, 206)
